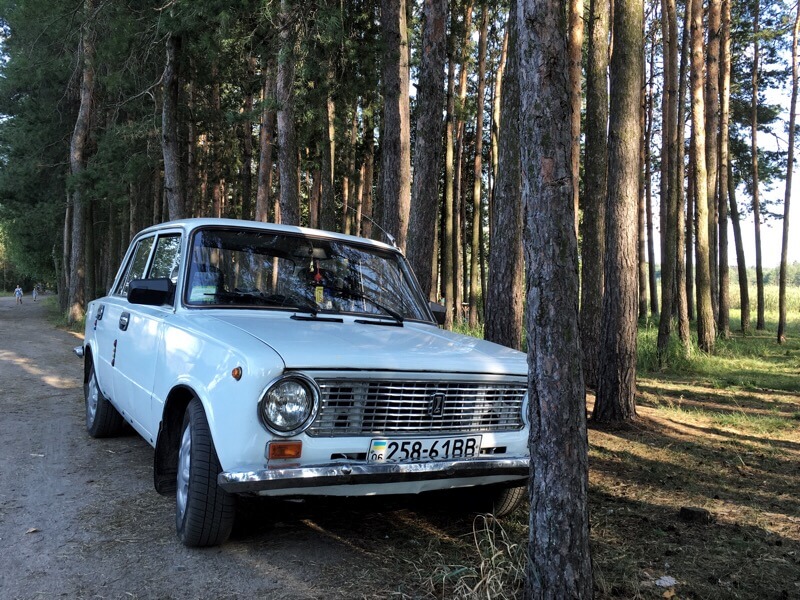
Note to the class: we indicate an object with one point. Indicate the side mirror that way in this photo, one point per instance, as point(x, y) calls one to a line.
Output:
point(152, 292)
point(439, 312)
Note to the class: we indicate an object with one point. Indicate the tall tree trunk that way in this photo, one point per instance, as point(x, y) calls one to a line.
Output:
point(77, 164)
point(477, 207)
point(685, 271)
point(351, 175)
point(458, 173)
point(449, 275)
point(558, 563)
point(193, 197)
point(723, 317)
point(712, 99)
point(787, 197)
point(427, 151)
point(596, 179)
point(396, 143)
point(741, 267)
point(369, 170)
point(641, 225)
point(575, 47)
point(706, 326)
point(287, 146)
point(504, 296)
point(617, 379)
point(649, 101)
point(760, 322)
point(173, 183)
point(669, 195)
point(266, 143)
point(247, 147)
point(217, 143)
point(327, 208)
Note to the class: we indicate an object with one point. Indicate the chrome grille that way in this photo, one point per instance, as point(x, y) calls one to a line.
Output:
point(349, 407)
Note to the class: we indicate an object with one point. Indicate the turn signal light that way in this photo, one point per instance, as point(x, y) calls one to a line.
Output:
point(284, 450)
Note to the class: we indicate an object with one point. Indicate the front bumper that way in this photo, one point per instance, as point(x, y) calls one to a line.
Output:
point(337, 474)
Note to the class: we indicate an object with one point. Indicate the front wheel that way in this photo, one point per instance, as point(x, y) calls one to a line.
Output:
point(500, 501)
point(204, 512)
point(102, 419)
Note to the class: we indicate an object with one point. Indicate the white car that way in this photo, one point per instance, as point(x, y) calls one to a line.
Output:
point(271, 360)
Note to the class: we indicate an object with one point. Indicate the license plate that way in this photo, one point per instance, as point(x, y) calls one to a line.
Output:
point(423, 449)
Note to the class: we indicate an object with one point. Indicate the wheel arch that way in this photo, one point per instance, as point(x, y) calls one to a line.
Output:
point(165, 459)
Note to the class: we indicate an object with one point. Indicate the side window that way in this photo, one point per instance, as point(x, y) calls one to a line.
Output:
point(166, 257)
point(136, 266)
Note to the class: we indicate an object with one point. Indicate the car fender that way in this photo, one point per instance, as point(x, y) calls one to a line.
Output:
point(203, 361)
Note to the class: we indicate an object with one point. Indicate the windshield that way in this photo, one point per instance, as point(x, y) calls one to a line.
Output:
point(251, 268)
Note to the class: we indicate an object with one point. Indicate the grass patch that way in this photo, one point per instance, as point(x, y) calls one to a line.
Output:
point(719, 432)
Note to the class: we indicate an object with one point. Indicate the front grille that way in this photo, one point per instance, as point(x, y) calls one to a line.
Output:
point(349, 408)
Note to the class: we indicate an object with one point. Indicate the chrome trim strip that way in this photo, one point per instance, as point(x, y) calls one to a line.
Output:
point(360, 473)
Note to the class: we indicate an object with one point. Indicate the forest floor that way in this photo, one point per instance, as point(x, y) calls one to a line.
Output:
point(79, 517)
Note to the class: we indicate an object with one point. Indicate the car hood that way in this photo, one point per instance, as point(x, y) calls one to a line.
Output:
point(350, 345)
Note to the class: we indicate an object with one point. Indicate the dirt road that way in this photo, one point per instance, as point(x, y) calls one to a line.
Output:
point(79, 518)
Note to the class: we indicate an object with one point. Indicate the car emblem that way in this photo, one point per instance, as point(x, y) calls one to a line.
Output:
point(436, 407)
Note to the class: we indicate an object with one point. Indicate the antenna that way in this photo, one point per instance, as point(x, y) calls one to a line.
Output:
point(388, 235)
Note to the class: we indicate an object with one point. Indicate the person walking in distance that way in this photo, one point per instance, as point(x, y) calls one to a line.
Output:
point(35, 292)
point(18, 294)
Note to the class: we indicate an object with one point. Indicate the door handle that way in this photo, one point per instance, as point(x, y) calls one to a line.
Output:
point(124, 319)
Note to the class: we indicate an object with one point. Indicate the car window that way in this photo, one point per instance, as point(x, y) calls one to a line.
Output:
point(166, 257)
point(238, 267)
point(136, 266)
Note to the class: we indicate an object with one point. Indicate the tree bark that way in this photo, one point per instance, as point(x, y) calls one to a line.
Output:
point(723, 315)
point(760, 322)
point(173, 183)
point(504, 294)
point(448, 265)
point(575, 47)
point(741, 267)
point(327, 207)
point(287, 146)
point(477, 206)
point(396, 145)
point(77, 163)
point(596, 183)
point(712, 107)
point(558, 563)
point(706, 326)
point(427, 151)
point(787, 197)
point(617, 381)
point(266, 143)
point(669, 110)
point(684, 226)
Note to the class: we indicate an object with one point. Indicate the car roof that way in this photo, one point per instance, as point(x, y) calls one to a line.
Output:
point(190, 225)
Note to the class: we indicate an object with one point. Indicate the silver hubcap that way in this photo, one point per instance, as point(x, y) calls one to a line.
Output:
point(184, 462)
point(92, 398)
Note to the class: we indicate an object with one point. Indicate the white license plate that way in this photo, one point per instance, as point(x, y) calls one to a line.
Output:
point(423, 449)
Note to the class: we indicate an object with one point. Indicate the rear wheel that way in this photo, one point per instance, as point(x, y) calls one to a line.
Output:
point(204, 512)
point(102, 419)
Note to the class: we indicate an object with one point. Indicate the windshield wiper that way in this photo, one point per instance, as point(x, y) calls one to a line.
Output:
point(350, 293)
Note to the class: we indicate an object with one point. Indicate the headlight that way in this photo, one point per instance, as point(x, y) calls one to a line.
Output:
point(289, 404)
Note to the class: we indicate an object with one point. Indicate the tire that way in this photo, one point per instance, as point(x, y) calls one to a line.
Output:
point(500, 501)
point(204, 512)
point(102, 419)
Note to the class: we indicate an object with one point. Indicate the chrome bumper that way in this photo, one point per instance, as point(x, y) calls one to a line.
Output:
point(78, 350)
point(353, 474)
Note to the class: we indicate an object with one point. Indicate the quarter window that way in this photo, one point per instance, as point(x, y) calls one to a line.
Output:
point(136, 266)
point(166, 257)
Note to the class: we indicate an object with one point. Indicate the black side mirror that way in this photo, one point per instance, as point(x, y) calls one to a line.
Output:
point(439, 312)
point(152, 292)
